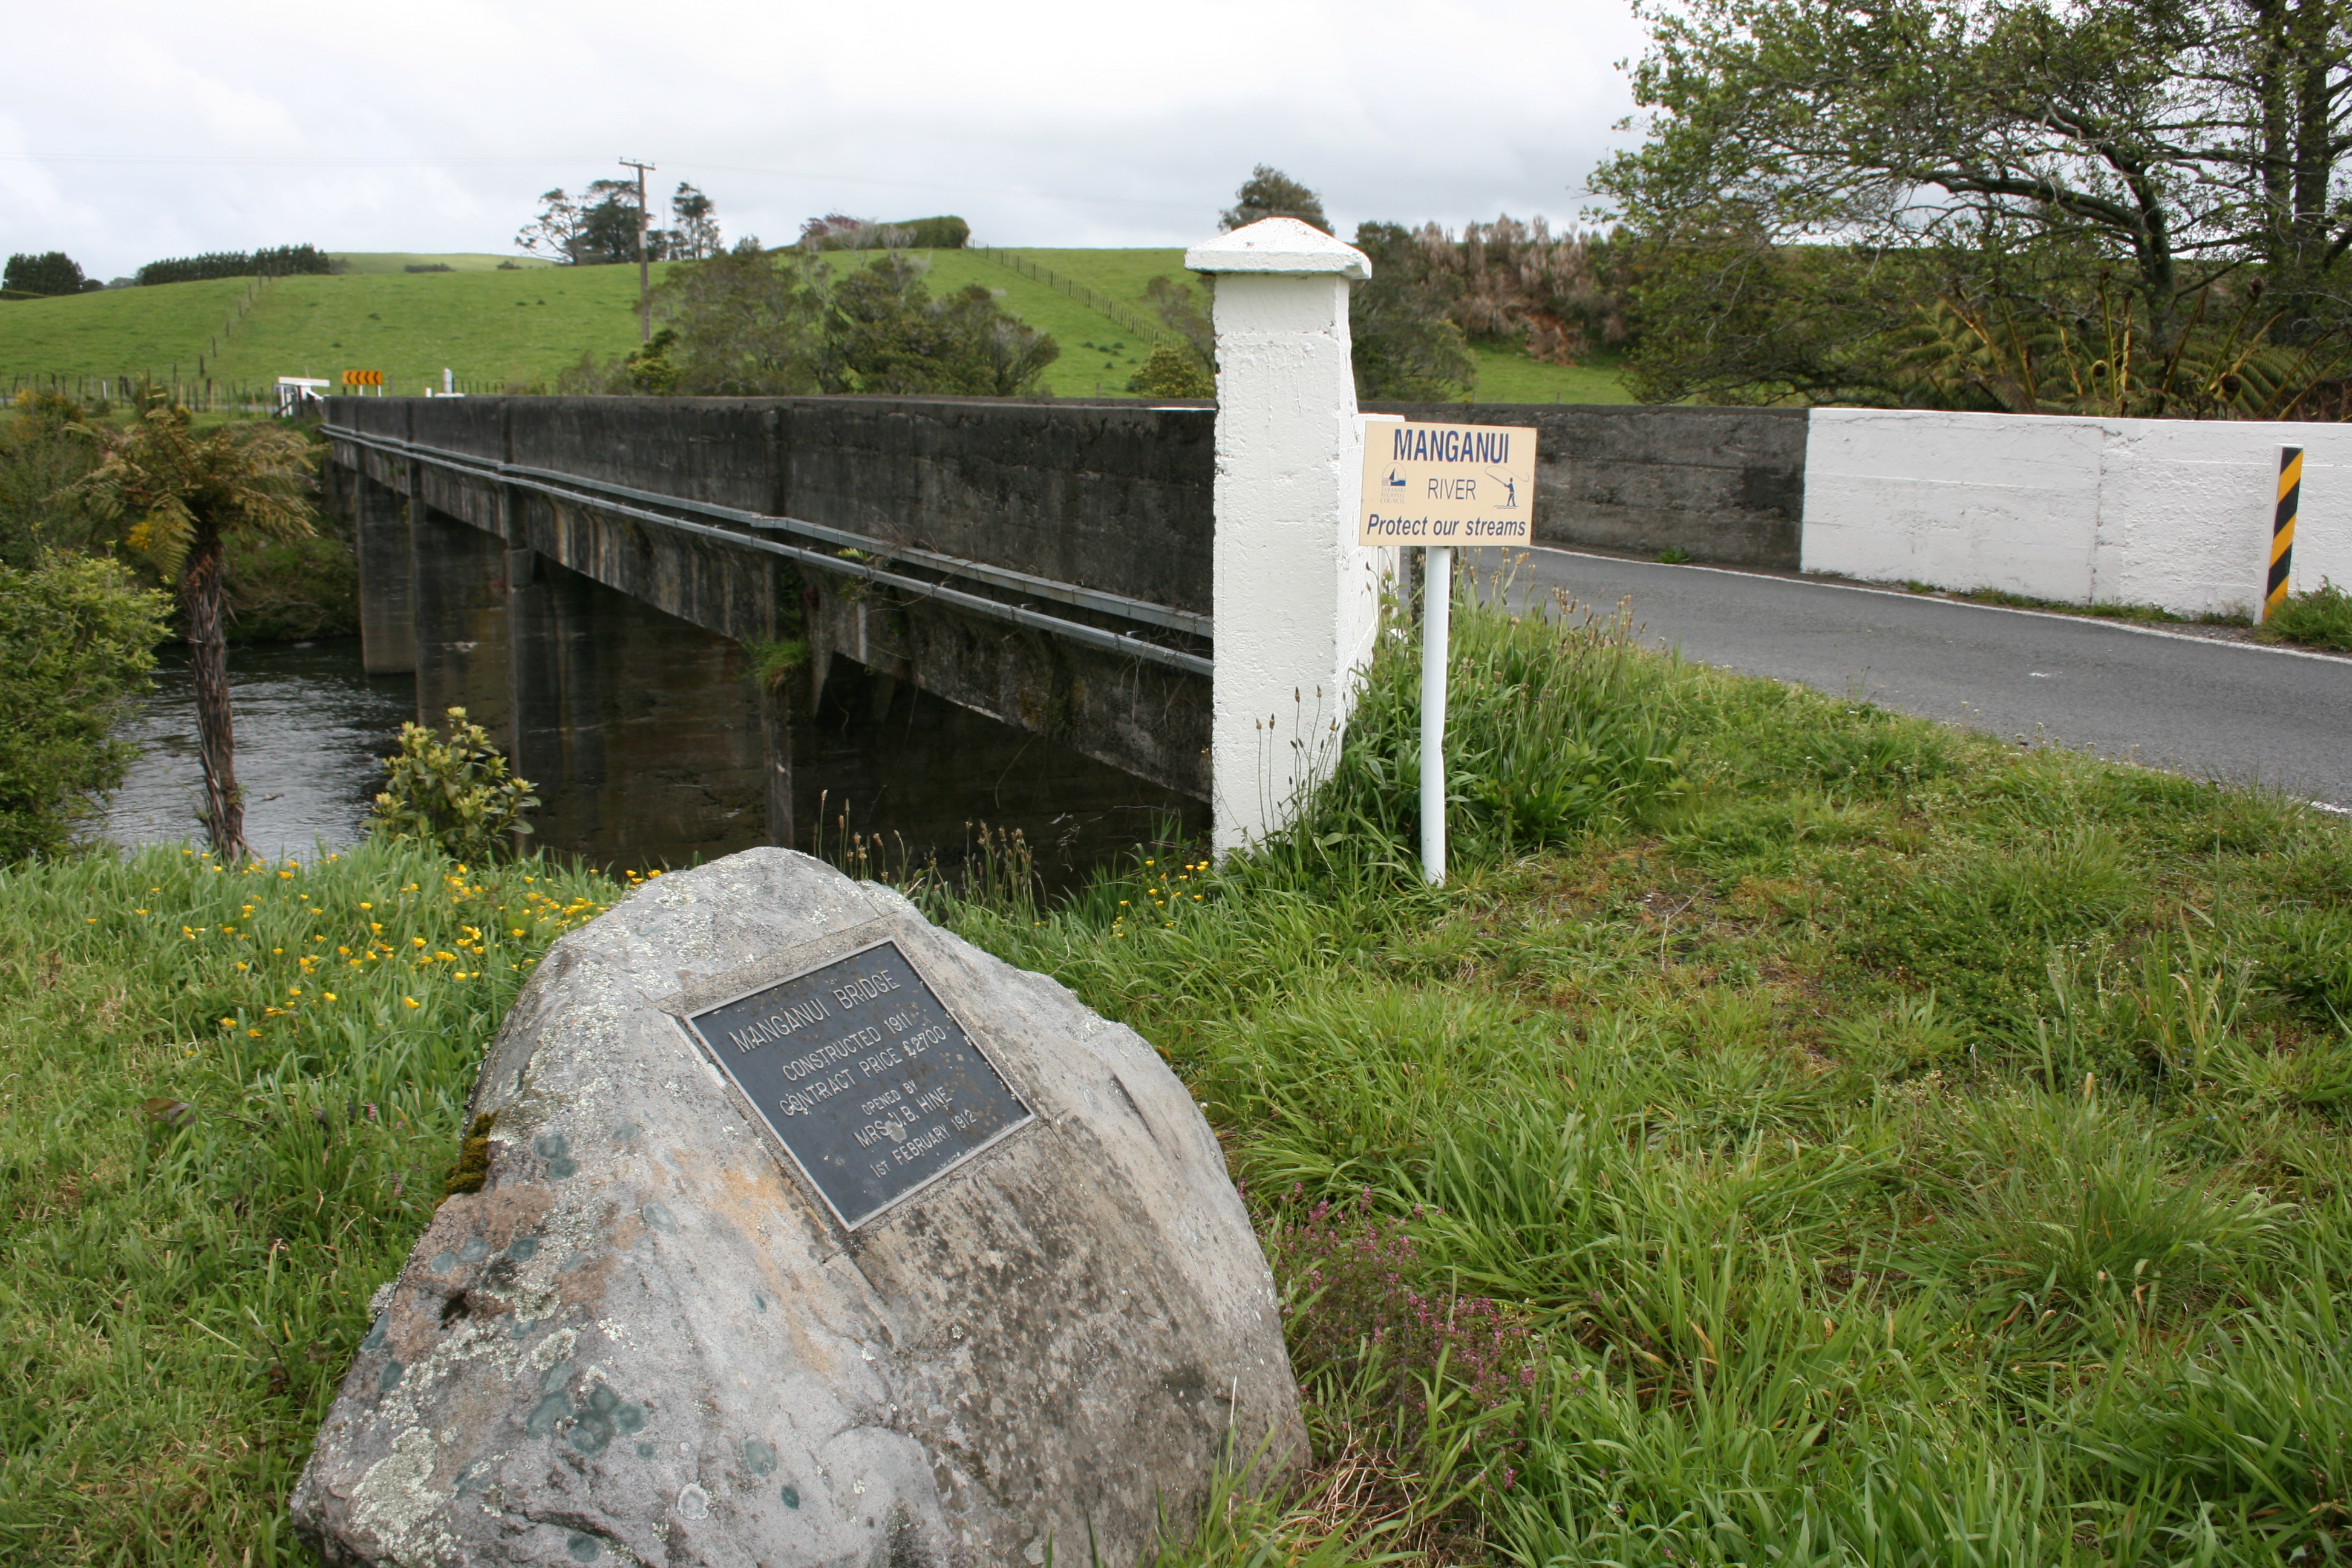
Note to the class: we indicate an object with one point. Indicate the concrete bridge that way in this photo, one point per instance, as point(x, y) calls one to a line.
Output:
point(700, 624)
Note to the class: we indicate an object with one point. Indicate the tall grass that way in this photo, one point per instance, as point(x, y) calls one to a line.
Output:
point(1894, 1146)
point(2320, 618)
point(226, 1101)
point(1806, 1135)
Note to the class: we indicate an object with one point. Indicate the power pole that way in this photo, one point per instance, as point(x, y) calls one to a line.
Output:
point(645, 273)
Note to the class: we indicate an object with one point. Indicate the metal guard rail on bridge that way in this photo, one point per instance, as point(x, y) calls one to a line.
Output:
point(544, 483)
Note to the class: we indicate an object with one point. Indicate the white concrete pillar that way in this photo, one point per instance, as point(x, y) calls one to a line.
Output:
point(1296, 600)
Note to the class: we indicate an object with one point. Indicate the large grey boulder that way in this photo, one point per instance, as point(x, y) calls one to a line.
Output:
point(652, 1338)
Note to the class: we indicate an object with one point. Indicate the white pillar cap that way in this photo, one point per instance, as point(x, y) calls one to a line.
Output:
point(1278, 244)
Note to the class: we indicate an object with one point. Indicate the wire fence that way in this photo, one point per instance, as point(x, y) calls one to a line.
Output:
point(213, 395)
point(1094, 300)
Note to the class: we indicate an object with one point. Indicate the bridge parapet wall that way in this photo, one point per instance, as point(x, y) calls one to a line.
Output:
point(1111, 498)
point(1725, 485)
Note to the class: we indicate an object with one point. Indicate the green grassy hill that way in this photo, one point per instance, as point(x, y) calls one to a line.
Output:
point(491, 328)
point(522, 327)
point(122, 332)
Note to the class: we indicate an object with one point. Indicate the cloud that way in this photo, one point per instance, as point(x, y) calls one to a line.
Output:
point(140, 129)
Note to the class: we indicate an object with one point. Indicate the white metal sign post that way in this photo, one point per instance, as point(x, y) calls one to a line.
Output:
point(1443, 486)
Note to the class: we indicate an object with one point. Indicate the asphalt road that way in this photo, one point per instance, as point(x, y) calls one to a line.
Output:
point(2210, 709)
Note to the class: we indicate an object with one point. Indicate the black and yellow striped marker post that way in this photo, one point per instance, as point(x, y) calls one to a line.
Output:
point(2290, 501)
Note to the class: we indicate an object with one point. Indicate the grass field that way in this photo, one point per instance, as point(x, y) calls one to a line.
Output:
point(1799, 1134)
point(491, 328)
point(524, 328)
point(122, 332)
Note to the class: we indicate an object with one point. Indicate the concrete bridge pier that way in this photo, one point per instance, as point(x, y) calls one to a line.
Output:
point(387, 585)
point(646, 735)
point(458, 579)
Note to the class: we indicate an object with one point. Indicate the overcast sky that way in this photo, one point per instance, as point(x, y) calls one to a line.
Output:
point(134, 130)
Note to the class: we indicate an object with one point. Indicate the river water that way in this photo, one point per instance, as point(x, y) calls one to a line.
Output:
point(311, 731)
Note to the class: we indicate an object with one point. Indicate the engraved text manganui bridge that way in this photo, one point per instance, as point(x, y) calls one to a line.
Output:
point(864, 1076)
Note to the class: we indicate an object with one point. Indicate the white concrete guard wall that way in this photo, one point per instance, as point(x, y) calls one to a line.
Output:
point(1296, 600)
point(2175, 512)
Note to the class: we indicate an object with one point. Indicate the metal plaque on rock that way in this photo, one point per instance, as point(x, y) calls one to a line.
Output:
point(863, 1075)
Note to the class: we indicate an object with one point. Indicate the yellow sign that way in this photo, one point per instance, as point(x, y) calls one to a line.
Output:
point(1456, 486)
point(363, 378)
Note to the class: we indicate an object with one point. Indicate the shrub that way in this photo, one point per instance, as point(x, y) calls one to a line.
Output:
point(77, 640)
point(44, 452)
point(1172, 373)
point(2321, 618)
point(1358, 1307)
point(838, 231)
point(1550, 734)
point(282, 590)
point(457, 795)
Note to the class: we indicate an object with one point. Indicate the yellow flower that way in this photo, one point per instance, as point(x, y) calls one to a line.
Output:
point(410, 1001)
point(228, 1023)
point(139, 911)
point(418, 940)
point(328, 995)
point(365, 905)
point(244, 966)
point(255, 1033)
point(293, 991)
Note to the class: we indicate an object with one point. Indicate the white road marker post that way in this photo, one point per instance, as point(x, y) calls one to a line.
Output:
point(1436, 631)
point(1443, 486)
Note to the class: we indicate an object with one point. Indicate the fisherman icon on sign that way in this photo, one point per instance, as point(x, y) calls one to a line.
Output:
point(1510, 488)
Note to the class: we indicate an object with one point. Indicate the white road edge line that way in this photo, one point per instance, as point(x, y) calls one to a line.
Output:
point(1948, 604)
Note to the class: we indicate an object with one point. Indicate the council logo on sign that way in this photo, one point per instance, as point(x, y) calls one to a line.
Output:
point(1447, 484)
